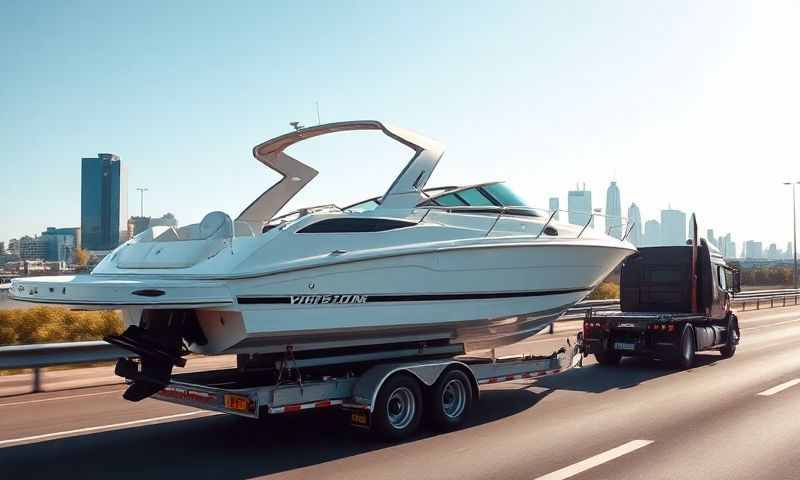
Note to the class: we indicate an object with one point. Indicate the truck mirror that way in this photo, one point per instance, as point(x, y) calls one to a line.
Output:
point(737, 281)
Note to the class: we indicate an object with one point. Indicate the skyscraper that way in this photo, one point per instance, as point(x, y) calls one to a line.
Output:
point(727, 246)
point(673, 227)
point(711, 238)
point(635, 224)
point(652, 234)
point(104, 201)
point(554, 207)
point(579, 204)
point(753, 249)
point(613, 211)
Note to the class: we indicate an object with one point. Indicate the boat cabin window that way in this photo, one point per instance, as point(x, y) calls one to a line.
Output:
point(366, 206)
point(475, 198)
point(504, 195)
point(355, 225)
point(449, 200)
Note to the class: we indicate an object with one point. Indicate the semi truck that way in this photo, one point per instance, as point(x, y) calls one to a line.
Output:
point(674, 301)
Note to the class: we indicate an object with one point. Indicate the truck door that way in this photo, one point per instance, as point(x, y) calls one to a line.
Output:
point(721, 297)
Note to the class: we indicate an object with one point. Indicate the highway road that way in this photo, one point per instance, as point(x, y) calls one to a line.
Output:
point(731, 419)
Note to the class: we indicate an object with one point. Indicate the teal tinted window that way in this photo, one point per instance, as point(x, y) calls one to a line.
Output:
point(475, 198)
point(450, 200)
point(504, 195)
point(363, 206)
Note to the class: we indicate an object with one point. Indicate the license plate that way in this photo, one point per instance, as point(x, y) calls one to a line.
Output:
point(235, 402)
point(624, 346)
point(360, 419)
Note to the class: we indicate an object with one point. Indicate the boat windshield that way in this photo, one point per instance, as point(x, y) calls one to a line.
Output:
point(487, 195)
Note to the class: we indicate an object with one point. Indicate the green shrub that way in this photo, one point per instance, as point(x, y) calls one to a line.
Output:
point(56, 324)
point(604, 291)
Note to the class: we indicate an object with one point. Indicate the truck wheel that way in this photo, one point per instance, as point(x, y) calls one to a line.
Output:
point(450, 400)
point(608, 357)
point(398, 408)
point(685, 357)
point(733, 339)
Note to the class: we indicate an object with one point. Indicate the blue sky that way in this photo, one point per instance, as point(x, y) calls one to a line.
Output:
point(688, 104)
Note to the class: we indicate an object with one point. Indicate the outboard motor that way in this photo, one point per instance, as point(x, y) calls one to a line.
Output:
point(160, 342)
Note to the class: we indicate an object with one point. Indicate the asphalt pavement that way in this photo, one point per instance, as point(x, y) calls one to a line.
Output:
point(731, 419)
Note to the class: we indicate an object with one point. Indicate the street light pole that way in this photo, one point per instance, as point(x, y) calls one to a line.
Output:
point(794, 229)
point(141, 200)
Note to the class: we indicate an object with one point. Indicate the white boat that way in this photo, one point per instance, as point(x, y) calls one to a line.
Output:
point(457, 265)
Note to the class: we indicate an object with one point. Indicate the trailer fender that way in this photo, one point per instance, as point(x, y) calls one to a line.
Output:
point(365, 391)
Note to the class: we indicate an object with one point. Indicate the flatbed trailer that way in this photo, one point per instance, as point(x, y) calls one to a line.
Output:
point(386, 396)
point(676, 337)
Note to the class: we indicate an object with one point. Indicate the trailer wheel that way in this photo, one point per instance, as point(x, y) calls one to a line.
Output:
point(608, 357)
point(733, 338)
point(685, 356)
point(450, 400)
point(398, 407)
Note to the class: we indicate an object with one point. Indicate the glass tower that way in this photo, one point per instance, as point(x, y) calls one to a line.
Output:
point(104, 201)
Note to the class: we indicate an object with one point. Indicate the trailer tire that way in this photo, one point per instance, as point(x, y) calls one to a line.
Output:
point(398, 407)
point(608, 357)
point(733, 338)
point(451, 400)
point(684, 359)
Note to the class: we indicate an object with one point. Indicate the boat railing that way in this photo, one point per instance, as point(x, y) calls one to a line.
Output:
point(615, 226)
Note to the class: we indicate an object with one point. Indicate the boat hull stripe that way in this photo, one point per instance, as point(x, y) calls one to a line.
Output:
point(293, 299)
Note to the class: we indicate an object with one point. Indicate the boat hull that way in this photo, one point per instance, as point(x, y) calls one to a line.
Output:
point(483, 298)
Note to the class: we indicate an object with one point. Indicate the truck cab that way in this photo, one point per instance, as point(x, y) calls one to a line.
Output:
point(674, 301)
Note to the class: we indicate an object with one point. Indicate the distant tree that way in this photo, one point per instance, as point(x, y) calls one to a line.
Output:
point(169, 220)
point(82, 257)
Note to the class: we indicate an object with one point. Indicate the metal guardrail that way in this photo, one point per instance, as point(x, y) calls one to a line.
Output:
point(775, 298)
point(42, 355)
point(38, 356)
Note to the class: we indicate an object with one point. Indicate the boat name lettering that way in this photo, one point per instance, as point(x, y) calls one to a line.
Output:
point(326, 299)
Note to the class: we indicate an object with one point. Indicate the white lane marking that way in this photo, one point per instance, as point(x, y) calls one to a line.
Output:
point(780, 388)
point(596, 460)
point(51, 399)
point(772, 324)
point(65, 433)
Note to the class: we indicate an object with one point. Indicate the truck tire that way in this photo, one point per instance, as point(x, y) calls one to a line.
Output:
point(608, 357)
point(684, 359)
point(398, 408)
point(450, 401)
point(733, 338)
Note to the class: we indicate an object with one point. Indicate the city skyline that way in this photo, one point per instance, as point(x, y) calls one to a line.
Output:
point(651, 232)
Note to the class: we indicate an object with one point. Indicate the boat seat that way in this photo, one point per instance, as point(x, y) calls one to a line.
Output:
point(179, 248)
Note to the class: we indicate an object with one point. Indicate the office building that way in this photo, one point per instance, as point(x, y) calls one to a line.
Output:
point(2, 248)
point(635, 224)
point(104, 201)
point(613, 212)
point(13, 247)
point(673, 227)
point(579, 204)
point(772, 252)
point(554, 208)
point(32, 248)
point(753, 250)
point(652, 234)
point(61, 243)
point(711, 238)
